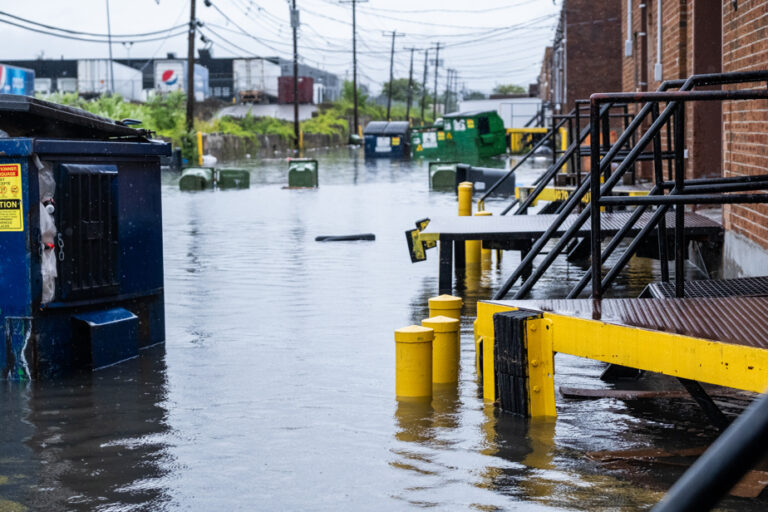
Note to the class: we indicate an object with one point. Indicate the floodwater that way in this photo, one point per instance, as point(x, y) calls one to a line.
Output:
point(275, 388)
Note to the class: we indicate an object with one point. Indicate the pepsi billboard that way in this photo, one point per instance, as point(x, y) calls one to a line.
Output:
point(15, 80)
point(171, 75)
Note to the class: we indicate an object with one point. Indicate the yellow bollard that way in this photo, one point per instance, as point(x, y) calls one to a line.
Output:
point(301, 139)
point(465, 198)
point(445, 305)
point(413, 356)
point(445, 349)
point(486, 255)
point(200, 148)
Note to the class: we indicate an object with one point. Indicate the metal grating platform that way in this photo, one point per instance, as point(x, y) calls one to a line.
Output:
point(736, 320)
point(742, 287)
point(517, 227)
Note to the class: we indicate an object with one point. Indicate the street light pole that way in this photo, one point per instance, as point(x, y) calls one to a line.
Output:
point(191, 69)
point(354, 59)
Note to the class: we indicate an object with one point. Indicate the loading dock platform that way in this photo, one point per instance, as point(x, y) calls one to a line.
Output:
point(722, 341)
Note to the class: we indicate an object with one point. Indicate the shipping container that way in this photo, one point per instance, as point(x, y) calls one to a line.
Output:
point(66, 84)
point(285, 89)
point(93, 78)
point(43, 85)
point(255, 79)
point(319, 94)
point(14, 80)
point(171, 75)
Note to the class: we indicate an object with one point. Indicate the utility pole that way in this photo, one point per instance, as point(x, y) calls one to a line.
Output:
point(437, 67)
point(191, 68)
point(410, 88)
point(295, 26)
point(449, 74)
point(354, 57)
point(111, 65)
point(424, 84)
point(391, 72)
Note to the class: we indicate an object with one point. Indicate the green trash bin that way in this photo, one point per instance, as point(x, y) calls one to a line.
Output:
point(302, 173)
point(196, 178)
point(233, 178)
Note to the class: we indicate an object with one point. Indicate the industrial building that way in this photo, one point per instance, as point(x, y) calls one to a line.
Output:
point(223, 82)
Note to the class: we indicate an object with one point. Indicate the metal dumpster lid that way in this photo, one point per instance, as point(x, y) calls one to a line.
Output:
point(23, 116)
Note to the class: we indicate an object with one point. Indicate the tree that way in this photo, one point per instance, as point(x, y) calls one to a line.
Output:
point(509, 89)
point(474, 95)
point(400, 90)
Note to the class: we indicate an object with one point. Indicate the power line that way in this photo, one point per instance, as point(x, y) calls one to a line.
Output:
point(93, 34)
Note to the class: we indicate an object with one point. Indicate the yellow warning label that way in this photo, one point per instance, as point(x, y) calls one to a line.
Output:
point(395, 141)
point(11, 215)
point(440, 135)
point(419, 148)
point(470, 123)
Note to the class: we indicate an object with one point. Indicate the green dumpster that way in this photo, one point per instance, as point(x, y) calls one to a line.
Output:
point(302, 173)
point(475, 135)
point(196, 178)
point(233, 178)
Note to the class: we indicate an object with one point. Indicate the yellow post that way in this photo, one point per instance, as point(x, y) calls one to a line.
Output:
point(445, 305)
point(465, 198)
point(445, 349)
point(413, 356)
point(360, 130)
point(301, 139)
point(200, 148)
point(485, 254)
point(564, 144)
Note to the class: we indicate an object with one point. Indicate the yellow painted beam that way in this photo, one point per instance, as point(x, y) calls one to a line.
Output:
point(714, 362)
point(541, 368)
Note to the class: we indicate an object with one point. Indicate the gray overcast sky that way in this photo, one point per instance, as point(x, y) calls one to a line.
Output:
point(489, 42)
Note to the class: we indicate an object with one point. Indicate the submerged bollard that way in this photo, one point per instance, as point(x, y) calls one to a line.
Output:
point(445, 305)
point(485, 254)
point(413, 357)
point(445, 349)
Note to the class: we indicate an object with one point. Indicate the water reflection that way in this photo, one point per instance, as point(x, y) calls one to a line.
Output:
point(92, 440)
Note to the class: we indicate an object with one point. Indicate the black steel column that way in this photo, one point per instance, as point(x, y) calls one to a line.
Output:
point(680, 207)
point(594, 203)
point(659, 175)
point(191, 68)
point(445, 282)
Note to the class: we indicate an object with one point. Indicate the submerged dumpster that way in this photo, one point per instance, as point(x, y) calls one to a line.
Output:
point(429, 142)
point(81, 249)
point(387, 139)
point(196, 178)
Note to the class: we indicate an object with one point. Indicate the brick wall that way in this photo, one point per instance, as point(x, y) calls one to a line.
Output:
point(745, 128)
point(594, 48)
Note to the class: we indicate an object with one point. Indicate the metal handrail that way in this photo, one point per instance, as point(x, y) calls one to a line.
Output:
point(540, 143)
point(603, 165)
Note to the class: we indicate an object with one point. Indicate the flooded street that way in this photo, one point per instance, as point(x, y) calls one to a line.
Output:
point(275, 389)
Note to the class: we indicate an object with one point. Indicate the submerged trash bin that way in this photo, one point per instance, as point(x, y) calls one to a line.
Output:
point(387, 139)
point(442, 176)
point(302, 173)
point(196, 178)
point(233, 178)
point(81, 248)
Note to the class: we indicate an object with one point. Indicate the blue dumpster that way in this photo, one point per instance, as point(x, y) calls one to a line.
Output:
point(387, 139)
point(81, 249)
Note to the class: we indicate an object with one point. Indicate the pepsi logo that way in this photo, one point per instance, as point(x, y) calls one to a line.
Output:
point(169, 77)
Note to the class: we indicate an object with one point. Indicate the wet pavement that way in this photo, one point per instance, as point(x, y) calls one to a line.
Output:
point(275, 388)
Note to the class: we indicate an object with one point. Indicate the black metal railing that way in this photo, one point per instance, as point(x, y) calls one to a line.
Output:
point(601, 168)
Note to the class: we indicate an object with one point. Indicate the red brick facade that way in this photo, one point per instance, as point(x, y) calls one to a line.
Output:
point(586, 54)
point(745, 128)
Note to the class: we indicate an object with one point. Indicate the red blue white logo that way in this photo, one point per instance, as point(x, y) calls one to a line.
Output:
point(169, 77)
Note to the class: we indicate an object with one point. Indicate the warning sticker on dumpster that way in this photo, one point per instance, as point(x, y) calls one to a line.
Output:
point(11, 215)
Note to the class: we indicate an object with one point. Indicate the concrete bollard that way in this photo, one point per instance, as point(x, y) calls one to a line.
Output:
point(486, 258)
point(445, 305)
point(413, 359)
point(466, 189)
point(445, 349)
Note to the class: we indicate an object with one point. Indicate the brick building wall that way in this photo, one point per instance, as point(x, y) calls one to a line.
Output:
point(593, 48)
point(745, 124)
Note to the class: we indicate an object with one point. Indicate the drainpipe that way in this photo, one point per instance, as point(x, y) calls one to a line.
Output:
point(628, 42)
point(657, 67)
